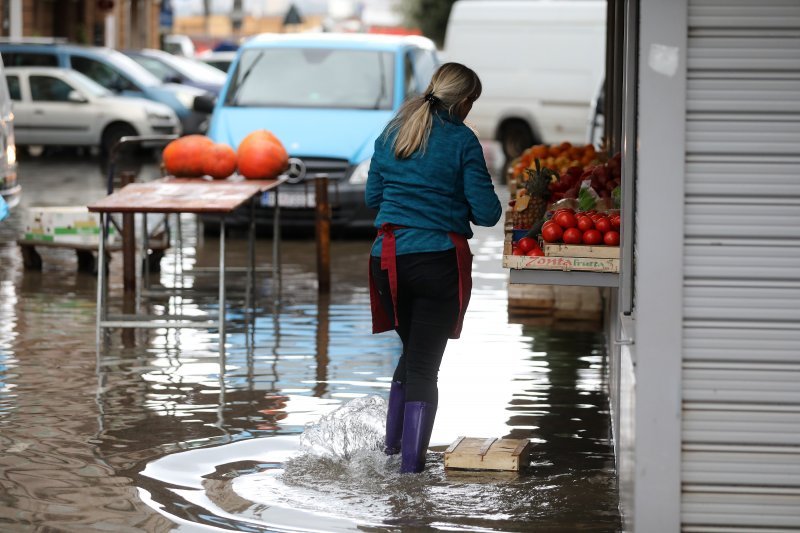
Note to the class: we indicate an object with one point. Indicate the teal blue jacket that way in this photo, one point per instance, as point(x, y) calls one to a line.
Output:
point(432, 193)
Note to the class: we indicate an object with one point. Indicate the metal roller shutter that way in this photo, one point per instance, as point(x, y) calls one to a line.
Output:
point(741, 369)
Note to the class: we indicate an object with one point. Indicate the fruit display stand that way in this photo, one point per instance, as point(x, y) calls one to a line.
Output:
point(562, 264)
point(554, 300)
point(549, 184)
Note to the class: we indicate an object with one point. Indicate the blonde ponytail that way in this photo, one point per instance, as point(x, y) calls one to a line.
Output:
point(452, 86)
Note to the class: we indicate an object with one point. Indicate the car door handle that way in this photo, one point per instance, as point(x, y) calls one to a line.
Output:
point(38, 112)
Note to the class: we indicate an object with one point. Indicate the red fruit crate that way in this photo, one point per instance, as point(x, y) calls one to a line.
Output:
point(588, 262)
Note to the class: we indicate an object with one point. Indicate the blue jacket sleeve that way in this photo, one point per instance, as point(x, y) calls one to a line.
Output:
point(485, 208)
point(373, 194)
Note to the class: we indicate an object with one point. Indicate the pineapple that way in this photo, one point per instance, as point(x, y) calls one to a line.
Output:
point(537, 191)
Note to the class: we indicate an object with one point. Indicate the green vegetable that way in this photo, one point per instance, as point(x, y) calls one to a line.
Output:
point(586, 200)
point(616, 195)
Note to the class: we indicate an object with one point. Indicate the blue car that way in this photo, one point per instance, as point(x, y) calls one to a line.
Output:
point(327, 97)
point(114, 71)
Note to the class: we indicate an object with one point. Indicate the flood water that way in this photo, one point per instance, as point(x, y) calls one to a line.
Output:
point(147, 433)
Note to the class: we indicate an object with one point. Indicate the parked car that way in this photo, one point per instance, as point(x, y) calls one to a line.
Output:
point(220, 60)
point(179, 45)
point(55, 106)
point(327, 97)
point(114, 71)
point(597, 119)
point(177, 69)
point(10, 189)
point(542, 93)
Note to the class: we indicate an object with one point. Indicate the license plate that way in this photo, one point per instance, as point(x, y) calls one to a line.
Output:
point(289, 199)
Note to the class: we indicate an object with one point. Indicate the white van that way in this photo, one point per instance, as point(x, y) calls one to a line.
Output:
point(541, 63)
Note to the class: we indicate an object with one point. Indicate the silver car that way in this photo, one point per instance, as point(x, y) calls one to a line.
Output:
point(54, 106)
point(9, 188)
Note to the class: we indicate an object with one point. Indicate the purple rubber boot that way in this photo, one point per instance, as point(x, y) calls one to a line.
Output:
point(417, 428)
point(394, 418)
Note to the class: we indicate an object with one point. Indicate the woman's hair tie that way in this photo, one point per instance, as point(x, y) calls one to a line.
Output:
point(431, 99)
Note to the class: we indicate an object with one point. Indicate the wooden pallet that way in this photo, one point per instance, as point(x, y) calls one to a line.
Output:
point(561, 302)
point(488, 454)
point(530, 299)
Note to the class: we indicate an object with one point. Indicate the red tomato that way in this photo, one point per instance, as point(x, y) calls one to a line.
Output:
point(584, 222)
point(517, 251)
point(535, 252)
point(565, 219)
point(526, 244)
point(615, 222)
point(552, 232)
point(564, 210)
point(573, 236)
point(611, 238)
point(592, 237)
point(603, 224)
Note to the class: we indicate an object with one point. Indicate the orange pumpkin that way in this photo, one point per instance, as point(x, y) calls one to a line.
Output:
point(219, 161)
point(262, 156)
point(184, 157)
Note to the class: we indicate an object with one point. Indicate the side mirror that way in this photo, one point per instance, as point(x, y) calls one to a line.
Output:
point(172, 79)
point(76, 97)
point(204, 103)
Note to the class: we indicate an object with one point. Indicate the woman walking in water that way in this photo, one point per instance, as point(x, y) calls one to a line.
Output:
point(429, 181)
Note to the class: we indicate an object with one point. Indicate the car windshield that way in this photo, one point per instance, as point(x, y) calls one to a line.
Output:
point(87, 84)
point(313, 77)
point(192, 68)
point(132, 69)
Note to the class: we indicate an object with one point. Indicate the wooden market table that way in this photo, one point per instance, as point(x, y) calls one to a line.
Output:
point(177, 196)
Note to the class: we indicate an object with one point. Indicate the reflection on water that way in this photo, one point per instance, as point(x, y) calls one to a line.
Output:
point(149, 434)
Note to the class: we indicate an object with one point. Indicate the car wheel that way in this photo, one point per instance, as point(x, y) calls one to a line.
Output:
point(113, 134)
point(515, 137)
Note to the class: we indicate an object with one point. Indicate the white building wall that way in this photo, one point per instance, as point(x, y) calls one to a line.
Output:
point(705, 372)
point(741, 262)
point(658, 281)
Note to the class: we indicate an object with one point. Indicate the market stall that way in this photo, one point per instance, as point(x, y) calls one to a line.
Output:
point(562, 231)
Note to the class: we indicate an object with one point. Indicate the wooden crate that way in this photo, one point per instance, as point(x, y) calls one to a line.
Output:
point(563, 263)
point(488, 454)
point(508, 220)
point(530, 299)
point(577, 303)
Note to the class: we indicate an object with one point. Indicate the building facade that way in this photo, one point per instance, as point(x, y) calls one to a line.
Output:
point(114, 23)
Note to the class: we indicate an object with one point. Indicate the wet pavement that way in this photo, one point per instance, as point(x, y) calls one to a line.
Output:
point(146, 434)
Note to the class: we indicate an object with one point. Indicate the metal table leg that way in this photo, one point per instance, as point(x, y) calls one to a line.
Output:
point(250, 291)
point(101, 277)
point(222, 290)
point(276, 249)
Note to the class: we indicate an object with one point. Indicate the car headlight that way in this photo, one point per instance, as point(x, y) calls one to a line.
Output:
point(11, 153)
point(154, 115)
point(360, 173)
point(186, 99)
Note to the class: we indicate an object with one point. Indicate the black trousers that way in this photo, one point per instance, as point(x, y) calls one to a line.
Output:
point(427, 309)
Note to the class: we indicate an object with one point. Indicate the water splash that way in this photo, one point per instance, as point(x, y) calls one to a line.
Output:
point(357, 426)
